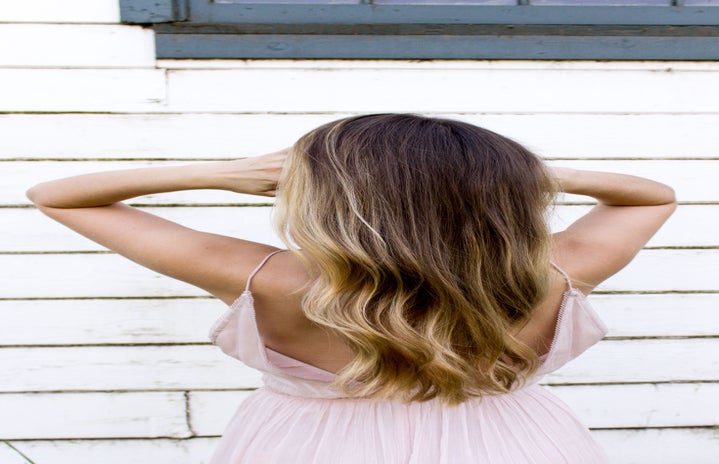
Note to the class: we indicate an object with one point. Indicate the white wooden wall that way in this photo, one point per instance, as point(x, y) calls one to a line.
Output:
point(103, 361)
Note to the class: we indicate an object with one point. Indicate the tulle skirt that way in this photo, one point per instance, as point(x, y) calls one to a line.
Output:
point(528, 426)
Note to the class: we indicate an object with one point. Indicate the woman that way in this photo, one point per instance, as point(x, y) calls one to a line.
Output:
point(421, 299)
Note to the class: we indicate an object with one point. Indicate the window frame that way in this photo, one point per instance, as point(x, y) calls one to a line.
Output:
point(205, 29)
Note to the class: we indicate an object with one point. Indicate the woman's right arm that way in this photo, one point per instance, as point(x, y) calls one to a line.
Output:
point(629, 212)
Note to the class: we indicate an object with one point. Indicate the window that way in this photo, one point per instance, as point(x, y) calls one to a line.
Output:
point(432, 29)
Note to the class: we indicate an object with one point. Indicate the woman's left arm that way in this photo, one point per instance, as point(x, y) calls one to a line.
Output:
point(91, 205)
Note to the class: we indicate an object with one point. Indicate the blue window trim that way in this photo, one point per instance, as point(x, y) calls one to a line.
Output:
point(204, 29)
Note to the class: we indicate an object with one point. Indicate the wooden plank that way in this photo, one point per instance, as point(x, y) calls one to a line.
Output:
point(31, 231)
point(662, 270)
point(93, 415)
point(597, 406)
point(152, 135)
point(692, 179)
point(688, 315)
point(228, 135)
point(104, 90)
point(659, 360)
point(76, 322)
point(52, 11)
point(109, 275)
point(75, 45)
point(151, 321)
point(211, 411)
point(157, 451)
point(8, 455)
point(643, 405)
point(660, 446)
point(39, 276)
point(319, 90)
point(191, 367)
point(103, 368)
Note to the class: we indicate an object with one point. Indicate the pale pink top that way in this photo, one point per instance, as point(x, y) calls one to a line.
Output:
point(297, 418)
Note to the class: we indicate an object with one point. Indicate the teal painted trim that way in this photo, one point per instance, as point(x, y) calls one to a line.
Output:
point(207, 12)
point(152, 12)
point(274, 46)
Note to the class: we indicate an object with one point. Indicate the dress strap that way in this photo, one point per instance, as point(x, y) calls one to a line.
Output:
point(259, 266)
point(561, 271)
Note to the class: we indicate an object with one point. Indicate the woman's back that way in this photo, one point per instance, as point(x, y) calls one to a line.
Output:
point(277, 294)
point(298, 417)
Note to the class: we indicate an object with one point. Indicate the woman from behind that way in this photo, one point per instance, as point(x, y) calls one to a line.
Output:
point(421, 299)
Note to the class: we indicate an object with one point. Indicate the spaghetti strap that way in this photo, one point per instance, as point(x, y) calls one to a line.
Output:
point(259, 266)
point(561, 271)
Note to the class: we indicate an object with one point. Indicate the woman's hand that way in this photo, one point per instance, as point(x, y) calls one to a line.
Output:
point(257, 176)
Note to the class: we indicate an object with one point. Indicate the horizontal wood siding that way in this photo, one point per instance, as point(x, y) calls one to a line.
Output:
point(103, 361)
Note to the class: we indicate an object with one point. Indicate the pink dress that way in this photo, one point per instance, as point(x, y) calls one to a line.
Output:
point(296, 418)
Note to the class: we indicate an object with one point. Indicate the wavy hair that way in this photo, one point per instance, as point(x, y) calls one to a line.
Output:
point(430, 247)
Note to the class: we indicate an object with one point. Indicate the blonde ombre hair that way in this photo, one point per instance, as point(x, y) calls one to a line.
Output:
point(430, 246)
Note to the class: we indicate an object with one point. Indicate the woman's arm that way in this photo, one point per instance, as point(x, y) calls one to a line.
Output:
point(90, 205)
point(630, 211)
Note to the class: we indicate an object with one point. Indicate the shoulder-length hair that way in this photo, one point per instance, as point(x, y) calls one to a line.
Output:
point(430, 246)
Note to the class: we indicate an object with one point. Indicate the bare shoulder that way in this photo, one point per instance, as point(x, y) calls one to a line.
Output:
point(538, 332)
point(278, 289)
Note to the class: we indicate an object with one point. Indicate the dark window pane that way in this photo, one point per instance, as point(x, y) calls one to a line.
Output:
point(602, 2)
point(440, 2)
point(293, 2)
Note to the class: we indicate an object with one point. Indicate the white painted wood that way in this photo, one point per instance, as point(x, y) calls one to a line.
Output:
point(109, 275)
point(10, 456)
point(669, 315)
point(93, 415)
point(661, 270)
point(81, 89)
point(67, 11)
point(73, 45)
point(659, 360)
point(660, 446)
point(158, 451)
point(361, 90)
point(77, 322)
point(195, 367)
point(74, 322)
point(153, 135)
point(210, 411)
point(597, 406)
point(84, 276)
point(229, 135)
point(643, 405)
point(122, 368)
point(445, 90)
point(692, 179)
